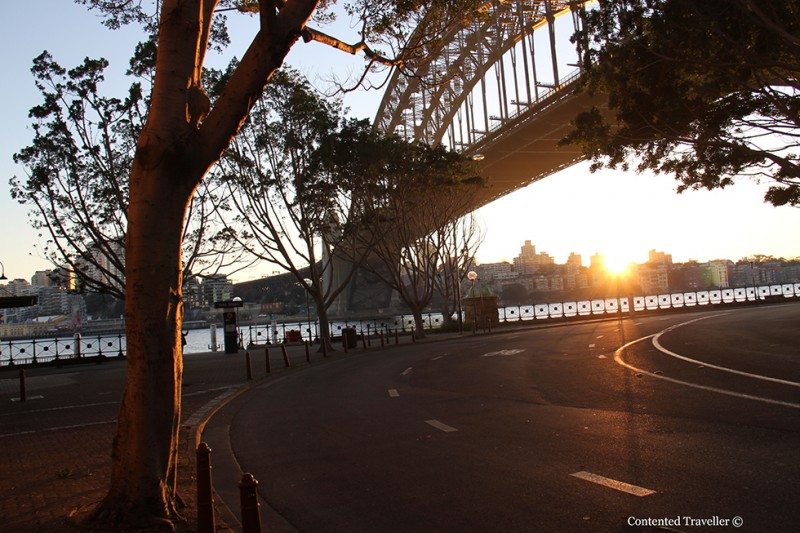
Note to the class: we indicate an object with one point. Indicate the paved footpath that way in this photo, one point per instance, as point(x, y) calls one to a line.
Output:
point(56, 446)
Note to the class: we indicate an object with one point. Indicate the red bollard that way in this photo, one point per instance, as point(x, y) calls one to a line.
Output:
point(285, 356)
point(266, 359)
point(206, 522)
point(251, 516)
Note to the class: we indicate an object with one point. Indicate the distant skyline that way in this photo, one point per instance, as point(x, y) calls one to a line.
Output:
point(612, 212)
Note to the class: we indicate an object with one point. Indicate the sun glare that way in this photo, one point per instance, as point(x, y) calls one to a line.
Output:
point(617, 264)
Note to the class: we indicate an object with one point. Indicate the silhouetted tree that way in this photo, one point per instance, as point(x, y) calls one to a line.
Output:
point(705, 90)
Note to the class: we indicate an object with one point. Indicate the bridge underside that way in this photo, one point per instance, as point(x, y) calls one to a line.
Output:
point(527, 151)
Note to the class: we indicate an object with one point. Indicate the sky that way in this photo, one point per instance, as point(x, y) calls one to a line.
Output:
point(620, 214)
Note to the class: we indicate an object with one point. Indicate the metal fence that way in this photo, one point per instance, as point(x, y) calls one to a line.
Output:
point(32, 351)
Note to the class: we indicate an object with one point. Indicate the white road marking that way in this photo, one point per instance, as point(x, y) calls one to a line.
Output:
point(600, 336)
point(613, 484)
point(407, 371)
point(60, 408)
point(638, 323)
point(57, 428)
point(511, 351)
point(660, 348)
point(393, 393)
point(601, 356)
point(37, 397)
point(591, 346)
point(206, 391)
point(618, 359)
point(437, 358)
point(441, 426)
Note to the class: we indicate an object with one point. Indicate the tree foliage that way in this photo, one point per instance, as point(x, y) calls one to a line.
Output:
point(422, 193)
point(707, 91)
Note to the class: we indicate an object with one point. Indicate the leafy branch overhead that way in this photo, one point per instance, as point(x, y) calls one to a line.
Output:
point(707, 91)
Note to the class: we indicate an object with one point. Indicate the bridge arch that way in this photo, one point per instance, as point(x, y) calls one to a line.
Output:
point(450, 99)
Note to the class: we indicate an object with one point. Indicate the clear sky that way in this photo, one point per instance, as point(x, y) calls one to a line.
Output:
point(620, 214)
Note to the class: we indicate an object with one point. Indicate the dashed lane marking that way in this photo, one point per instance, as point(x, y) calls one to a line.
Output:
point(37, 397)
point(601, 356)
point(600, 336)
point(393, 393)
point(613, 484)
point(441, 426)
point(407, 371)
point(512, 351)
point(437, 358)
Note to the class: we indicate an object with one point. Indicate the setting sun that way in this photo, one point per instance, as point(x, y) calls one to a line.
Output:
point(617, 263)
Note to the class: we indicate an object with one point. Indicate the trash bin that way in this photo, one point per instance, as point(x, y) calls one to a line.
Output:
point(349, 337)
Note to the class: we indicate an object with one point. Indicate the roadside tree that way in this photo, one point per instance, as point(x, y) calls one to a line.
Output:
point(706, 91)
point(182, 138)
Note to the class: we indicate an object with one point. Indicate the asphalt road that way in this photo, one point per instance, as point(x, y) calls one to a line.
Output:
point(552, 429)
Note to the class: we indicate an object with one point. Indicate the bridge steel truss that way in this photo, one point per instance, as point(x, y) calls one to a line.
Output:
point(438, 104)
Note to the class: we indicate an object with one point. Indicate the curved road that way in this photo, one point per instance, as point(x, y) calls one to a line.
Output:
point(540, 429)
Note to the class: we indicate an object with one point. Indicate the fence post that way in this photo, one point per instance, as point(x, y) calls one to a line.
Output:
point(206, 522)
point(22, 393)
point(369, 343)
point(249, 367)
point(266, 359)
point(251, 517)
point(76, 346)
point(285, 356)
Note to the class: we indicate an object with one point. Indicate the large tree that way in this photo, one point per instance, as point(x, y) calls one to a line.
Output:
point(421, 194)
point(183, 137)
point(705, 90)
point(297, 176)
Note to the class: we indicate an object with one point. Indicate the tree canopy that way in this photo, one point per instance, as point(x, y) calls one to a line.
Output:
point(707, 91)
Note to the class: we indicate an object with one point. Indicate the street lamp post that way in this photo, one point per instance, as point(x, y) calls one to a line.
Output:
point(308, 309)
point(472, 276)
point(2, 271)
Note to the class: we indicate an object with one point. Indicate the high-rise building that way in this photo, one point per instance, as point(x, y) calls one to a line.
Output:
point(217, 288)
point(659, 258)
point(42, 278)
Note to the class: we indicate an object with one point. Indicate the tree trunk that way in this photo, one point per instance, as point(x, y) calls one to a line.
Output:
point(324, 325)
point(145, 448)
point(418, 323)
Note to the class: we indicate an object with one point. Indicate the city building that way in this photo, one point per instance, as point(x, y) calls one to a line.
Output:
point(217, 288)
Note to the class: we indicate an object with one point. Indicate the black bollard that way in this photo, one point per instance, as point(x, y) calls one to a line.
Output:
point(396, 337)
point(413, 336)
point(249, 368)
point(344, 342)
point(489, 324)
point(206, 522)
point(308, 353)
point(381, 338)
point(266, 359)
point(363, 339)
point(285, 356)
point(251, 517)
point(22, 393)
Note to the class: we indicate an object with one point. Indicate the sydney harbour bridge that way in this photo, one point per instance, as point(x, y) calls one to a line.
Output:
point(501, 88)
